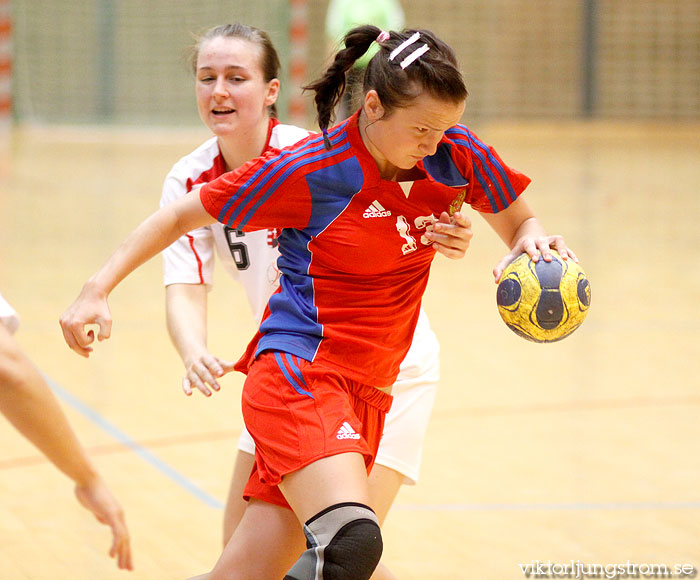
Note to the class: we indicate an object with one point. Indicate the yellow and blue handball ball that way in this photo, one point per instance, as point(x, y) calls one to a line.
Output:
point(543, 301)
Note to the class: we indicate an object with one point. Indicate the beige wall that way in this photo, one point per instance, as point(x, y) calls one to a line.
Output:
point(525, 58)
point(522, 59)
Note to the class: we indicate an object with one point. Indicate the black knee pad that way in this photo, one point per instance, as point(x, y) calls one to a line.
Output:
point(344, 543)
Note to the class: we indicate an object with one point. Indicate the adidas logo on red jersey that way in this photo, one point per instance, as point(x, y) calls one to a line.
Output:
point(376, 210)
point(347, 432)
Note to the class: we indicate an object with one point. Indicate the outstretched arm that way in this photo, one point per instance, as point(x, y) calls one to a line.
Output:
point(155, 234)
point(29, 404)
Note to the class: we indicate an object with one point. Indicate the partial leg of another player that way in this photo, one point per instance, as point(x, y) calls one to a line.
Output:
point(235, 504)
point(384, 485)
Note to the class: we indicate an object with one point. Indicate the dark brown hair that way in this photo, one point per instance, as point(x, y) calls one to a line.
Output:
point(270, 62)
point(435, 71)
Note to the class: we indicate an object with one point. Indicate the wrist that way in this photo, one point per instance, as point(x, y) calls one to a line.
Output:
point(94, 287)
point(193, 356)
point(87, 475)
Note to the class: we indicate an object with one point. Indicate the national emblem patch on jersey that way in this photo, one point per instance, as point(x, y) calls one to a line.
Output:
point(457, 202)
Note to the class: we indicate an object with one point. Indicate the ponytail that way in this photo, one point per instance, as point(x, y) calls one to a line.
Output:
point(330, 87)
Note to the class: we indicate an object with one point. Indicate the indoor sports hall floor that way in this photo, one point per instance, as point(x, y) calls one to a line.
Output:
point(584, 450)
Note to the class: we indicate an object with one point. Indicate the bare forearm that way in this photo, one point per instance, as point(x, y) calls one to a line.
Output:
point(186, 314)
point(154, 235)
point(151, 237)
point(529, 227)
point(514, 223)
point(186, 307)
point(518, 227)
point(28, 403)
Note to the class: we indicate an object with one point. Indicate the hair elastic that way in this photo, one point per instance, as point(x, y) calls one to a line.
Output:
point(326, 140)
point(383, 36)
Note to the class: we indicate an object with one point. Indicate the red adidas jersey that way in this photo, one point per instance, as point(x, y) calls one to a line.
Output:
point(353, 255)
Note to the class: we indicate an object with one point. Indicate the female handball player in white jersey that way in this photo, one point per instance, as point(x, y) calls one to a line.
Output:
point(251, 258)
point(320, 368)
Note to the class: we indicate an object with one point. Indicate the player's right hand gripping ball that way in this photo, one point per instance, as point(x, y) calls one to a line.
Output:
point(543, 301)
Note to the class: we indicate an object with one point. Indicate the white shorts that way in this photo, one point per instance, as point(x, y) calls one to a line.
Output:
point(8, 316)
point(401, 447)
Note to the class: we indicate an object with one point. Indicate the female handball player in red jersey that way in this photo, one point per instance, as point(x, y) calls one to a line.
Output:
point(356, 205)
point(236, 71)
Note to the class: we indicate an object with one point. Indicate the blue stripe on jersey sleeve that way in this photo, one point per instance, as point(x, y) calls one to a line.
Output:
point(281, 178)
point(499, 167)
point(269, 169)
point(482, 151)
point(491, 177)
point(250, 188)
point(485, 187)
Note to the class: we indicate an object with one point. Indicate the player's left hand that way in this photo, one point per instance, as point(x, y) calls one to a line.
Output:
point(535, 246)
point(451, 236)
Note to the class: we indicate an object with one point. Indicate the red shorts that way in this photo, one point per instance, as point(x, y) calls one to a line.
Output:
point(298, 412)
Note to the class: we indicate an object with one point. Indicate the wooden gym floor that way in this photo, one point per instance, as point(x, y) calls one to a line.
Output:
point(584, 450)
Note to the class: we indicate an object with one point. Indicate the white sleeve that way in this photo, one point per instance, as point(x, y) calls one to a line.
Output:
point(285, 135)
point(8, 316)
point(190, 260)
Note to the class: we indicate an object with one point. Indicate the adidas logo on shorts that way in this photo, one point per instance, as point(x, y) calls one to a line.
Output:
point(376, 210)
point(347, 432)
